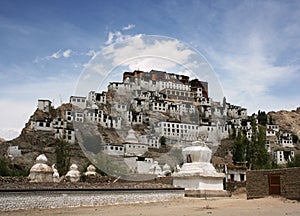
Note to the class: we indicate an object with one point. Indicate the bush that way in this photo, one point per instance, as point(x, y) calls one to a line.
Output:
point(4, 169)
point(295, 162)
point(63, 156)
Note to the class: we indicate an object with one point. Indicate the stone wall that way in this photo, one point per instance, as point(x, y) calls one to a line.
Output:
point(12, 179)
point(87, 182)
point(61, 199)
point(258, 183)
point(234, 185)
point(104, 179)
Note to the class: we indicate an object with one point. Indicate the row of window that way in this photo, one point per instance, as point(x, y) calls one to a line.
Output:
point(115, 148)
point(137, 146)
point(179, 93)
point(174, 85)
point(175, 125)
point(78, 100)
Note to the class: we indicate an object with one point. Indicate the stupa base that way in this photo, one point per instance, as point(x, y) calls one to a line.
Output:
point(206, 193)
point(199, 182)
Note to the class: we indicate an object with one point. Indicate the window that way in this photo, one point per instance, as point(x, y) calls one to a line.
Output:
point(242, 177)
point(188, 158)
point(231, 177)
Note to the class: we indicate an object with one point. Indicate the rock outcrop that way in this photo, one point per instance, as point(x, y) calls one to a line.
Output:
point(287, 120)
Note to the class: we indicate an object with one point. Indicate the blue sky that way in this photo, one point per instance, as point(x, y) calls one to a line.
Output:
point(253, 47)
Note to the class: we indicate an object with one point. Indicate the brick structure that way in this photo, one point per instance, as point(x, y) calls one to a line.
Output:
point(282, 182)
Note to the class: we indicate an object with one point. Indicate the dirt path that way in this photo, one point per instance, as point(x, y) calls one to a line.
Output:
point(235, 206)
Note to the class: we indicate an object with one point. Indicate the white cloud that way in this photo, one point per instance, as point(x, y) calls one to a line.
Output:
point(91, 53)
point(116, 36)
point(14, 114)
point(128, 27)
point(18, 102)
point(137, 47)
point(67, 53)
point(140, 52)
point(110, 38)
point(10, 133)
point(132, 52)
point(56, 55)
point(149, 63)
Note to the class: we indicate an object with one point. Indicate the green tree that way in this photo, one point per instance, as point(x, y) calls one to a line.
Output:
point(257, 155)
point(261, 154)
point(239, 148)
point(163, 141)
point(233, 132)
point(295, 138)
point(295, 162)
point(4, 169)
point(63, 156)
point(262, 117)
point(271, 121)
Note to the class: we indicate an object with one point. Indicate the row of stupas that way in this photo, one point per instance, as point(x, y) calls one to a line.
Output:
point(41, 172)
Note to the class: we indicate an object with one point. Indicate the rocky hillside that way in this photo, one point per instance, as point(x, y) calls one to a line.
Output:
point(33, 143)
point(2, 140)
point(287, 120)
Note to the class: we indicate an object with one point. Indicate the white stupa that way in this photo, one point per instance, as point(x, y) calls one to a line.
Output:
point(197, 173)
point(91, 171)
point(131, 138)
point(55, 174)
point(40, 171)
point(73, 175)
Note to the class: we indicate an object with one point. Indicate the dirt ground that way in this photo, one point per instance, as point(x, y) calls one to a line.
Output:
point(236, 205)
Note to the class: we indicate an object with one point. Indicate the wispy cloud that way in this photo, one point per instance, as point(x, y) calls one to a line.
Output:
point(128, 27)
point(56, 55)
point(250, 61)
point(66, 54)
point(90, 53)
point(116, 36)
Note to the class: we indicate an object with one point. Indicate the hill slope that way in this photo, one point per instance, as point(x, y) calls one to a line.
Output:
point(287, 120)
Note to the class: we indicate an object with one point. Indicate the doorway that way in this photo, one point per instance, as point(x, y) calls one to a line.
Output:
point(274, 184)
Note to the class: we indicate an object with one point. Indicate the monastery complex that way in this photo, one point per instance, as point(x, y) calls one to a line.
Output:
point(147, 106)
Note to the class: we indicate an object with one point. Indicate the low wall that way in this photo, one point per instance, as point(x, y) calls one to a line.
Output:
point(87, 183)
point(60, 199)
point(234, 185)
point(258, 183)
point(168, 180)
